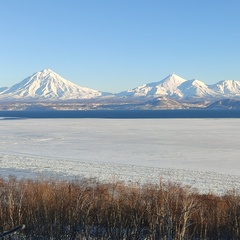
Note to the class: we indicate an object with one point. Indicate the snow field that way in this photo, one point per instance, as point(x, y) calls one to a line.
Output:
point(203, 153)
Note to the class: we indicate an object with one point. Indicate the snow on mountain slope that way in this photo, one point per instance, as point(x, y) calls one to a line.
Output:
point(196, 89)
point(172, 82)
point(227, 87)
point(3, 89)
point(47, 84)
point(163, 103)
point(166, 87)
point(177, 88)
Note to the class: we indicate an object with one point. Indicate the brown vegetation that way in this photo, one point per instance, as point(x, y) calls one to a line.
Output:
point(87, 209)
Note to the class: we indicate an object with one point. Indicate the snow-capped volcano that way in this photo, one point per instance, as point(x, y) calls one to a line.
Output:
point(171, 92)
point(227, 87)
point(196, 89)
point(177, 88)
point(166, 87)
point(47, 84)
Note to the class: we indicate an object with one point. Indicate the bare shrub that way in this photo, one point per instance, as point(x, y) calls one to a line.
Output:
point(88, 209)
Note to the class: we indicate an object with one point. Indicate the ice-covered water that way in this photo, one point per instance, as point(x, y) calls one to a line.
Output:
point(203, 153)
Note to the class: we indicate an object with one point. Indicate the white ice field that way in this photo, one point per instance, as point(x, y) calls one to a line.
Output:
point(203, 153)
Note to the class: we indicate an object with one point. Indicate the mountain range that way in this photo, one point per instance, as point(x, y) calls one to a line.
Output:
point(178, 88)
point(171, 92)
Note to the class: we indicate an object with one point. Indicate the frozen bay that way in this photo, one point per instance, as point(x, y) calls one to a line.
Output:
point(203, 153)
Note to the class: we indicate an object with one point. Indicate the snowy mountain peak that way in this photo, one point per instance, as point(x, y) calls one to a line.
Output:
point(227, 87)
point(174, 75)
point(47, 74)
point(47, 70)
point(196, 89)
point(47, 84)
point(172, 82)
point(166, 87)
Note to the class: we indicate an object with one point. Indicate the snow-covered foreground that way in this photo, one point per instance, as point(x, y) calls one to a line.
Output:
point(203, 153)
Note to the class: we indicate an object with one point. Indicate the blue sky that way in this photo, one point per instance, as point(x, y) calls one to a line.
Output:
point(115, 45)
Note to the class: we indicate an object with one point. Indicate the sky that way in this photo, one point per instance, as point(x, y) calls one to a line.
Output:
point(115, 45)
